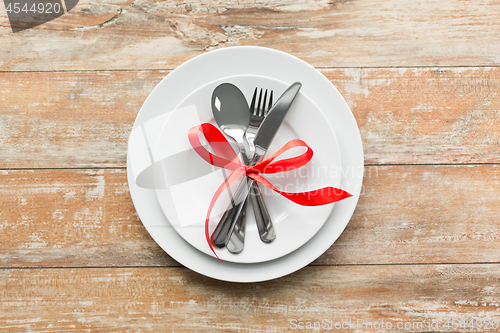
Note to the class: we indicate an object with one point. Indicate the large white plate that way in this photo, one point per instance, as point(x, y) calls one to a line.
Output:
point(187, 184)
point(212, 66)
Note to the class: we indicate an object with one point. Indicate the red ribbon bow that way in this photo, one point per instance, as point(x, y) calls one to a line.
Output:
point(225, 157)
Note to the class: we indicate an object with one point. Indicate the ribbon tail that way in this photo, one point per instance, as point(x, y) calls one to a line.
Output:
point(322, 196)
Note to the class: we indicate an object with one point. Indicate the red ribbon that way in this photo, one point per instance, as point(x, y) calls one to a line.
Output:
point(225, 157)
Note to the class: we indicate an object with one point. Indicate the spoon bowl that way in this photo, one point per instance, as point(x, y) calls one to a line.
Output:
point(231, 112)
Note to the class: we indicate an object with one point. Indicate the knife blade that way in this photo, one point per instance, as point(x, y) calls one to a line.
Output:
point(263, 139)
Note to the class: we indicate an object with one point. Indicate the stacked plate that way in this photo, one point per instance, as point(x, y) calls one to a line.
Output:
point(171, 186)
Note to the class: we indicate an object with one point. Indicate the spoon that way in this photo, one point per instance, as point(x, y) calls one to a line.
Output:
point(231, 112)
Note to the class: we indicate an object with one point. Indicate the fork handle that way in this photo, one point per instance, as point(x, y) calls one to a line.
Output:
point(262, 216)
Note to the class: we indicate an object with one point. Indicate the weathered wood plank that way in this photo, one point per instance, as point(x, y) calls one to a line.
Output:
point(424, 115)
point(423, 214)
point(420, 298)
point(146, 34)
point(406, 116)
point(72, 218)
point(70, 119)
point(406, 214)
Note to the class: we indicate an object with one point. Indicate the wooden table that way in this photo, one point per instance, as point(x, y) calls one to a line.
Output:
point(421, 252)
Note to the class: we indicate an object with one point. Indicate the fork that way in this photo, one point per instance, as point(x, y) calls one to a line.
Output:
point(258, 111)
point(257, 114)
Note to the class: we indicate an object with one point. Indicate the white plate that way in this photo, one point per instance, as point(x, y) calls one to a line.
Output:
point(187, 184)
point(200, 71)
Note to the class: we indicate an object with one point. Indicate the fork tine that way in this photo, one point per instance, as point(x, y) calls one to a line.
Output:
point(264, 104)
point(259, 104)
point(252, 104)
point(266, 110)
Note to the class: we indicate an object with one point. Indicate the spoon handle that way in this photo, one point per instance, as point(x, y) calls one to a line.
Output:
point(236, 241)
point(224, 229)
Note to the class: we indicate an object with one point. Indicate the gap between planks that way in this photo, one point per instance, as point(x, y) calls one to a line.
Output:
point(309, 265)
point(171, 69)
point(365, 165)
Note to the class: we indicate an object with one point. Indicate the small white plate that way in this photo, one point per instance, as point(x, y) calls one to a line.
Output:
point(186, 183)
point(206, 68)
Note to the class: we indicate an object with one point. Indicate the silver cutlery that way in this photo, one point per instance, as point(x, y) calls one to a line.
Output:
point(259, 108)
point(265, 135)
point(230, 110)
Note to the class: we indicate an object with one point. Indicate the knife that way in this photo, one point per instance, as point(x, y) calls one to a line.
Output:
point(263, 138)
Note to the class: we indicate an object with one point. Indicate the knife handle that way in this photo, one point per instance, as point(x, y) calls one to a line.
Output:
point(262, 216)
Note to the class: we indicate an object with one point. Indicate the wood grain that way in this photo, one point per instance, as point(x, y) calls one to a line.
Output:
point(406, 215)
point(72, 218)
point(406, 116)
point(146, 34)
point(424, 115)
point(423, 214)
point(57, 120)
point(179, 300)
